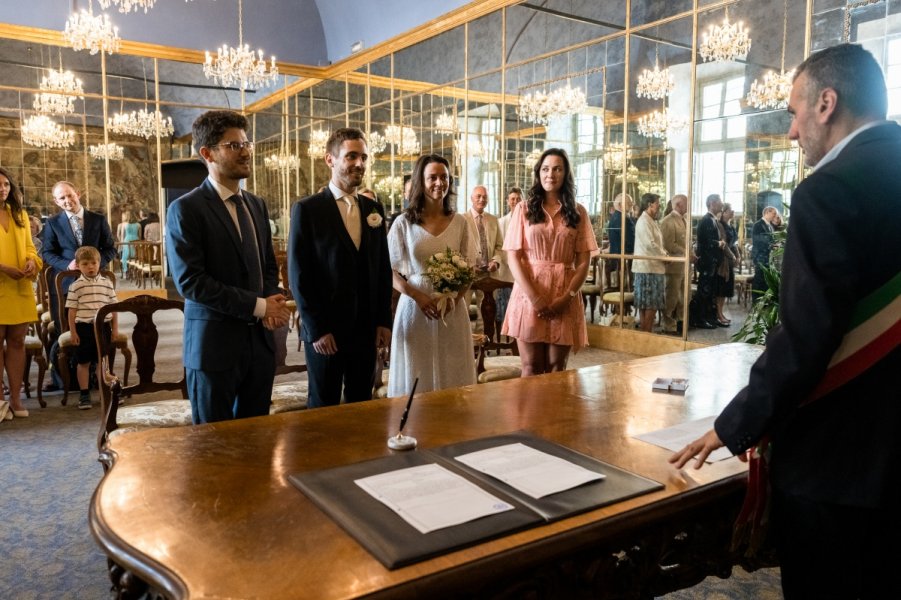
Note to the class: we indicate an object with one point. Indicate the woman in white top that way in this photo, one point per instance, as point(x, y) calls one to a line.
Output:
point(650, 284)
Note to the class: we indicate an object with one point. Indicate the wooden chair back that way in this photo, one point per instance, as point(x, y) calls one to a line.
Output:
point(145, 339)
point(488, 312)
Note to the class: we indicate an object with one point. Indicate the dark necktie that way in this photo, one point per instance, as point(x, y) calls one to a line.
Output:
point(248, 245)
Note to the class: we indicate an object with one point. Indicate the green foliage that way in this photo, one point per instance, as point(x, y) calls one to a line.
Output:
point(764, 313)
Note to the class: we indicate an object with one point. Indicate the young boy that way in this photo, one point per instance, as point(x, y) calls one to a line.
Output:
point(86, 295)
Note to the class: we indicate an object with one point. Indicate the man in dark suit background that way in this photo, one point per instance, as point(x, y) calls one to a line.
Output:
point(702, 310)
point(65, 232)
point(222, 262)
point(340, 274)
point(825, 391)
point(762, 241)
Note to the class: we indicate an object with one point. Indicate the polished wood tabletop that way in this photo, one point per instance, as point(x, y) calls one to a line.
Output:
point(208, 512)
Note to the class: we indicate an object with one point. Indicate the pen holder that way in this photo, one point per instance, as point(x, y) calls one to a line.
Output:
point(401, 442)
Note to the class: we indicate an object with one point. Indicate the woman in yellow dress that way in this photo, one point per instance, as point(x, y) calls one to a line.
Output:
point(19, 266)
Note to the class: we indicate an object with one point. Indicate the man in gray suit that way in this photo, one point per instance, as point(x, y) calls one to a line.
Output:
point(672, 227)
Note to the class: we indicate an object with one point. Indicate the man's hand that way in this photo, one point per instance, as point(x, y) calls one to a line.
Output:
point(273, 323)
point(326, 345)
point(72, 265)
point(492, 266)
point(277, 308)
point(701, 447)
point(382, 337)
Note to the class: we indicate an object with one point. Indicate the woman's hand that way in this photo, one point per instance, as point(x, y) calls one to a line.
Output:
point(559, 305)
point(428, 306)
point(31, 269)
point(12, 272)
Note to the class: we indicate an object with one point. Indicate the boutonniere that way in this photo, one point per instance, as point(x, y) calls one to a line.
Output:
point(374, 219)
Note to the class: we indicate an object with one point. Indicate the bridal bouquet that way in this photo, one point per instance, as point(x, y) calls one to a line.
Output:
point(448, 273)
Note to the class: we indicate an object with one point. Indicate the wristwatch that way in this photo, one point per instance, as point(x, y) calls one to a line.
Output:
point(572, 294)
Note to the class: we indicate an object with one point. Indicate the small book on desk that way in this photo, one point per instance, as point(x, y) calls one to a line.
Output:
point(395, 543)
point(670, 385)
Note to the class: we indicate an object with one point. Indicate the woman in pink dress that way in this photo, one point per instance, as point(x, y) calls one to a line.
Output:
point(549, 243)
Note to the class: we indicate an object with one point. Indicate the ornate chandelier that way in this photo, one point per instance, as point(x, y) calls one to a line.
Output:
point(614, 154)
point(725, 42)
point(240, 66)
point(377, 142)
point(773, 92)
point(446, 124)
point(60, 90)
point(539, 107)
point(658, 123)
point(126, 6)
point(472, 148)
point(533, 156)
point(40, 131)
point(775, 89)
point(281, 162)
point(403, 139)
point(84, 31)
point(142, 123)
point(655, 84)
point(389, 186)
point(318, 138)
point(109, 151)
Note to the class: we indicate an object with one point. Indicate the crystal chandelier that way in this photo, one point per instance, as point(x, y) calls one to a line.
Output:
point(40, 131)
point(533, 156)
point(775, 89)
point(389, 186)
point(658, 123)
point(631, 174)
point(446, 124)
point(240, 66)
point(377, 142)
point(403, 139)
point(318, 139)
point(614, 154)
point(126, 6)
point(107, 152)
point(539, 107)
point(281, 162)
point(142, 123)
point(655, 84)
point(66, 88)
point(472, 148)
point(725, 42)
point(84, 31)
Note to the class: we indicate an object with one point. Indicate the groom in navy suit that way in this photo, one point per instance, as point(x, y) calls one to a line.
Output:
point(340, 274)
point(222, 262)
point(64, 232)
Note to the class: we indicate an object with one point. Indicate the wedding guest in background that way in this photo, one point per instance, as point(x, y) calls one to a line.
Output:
point(702, 310)
point(502, 296)
point(490, 242)
point(19, 266)
point(620, 226)
point(152, 231)
point(549, 243)
point(36, 227)
point(129, 230)
point(672, 228)
point(650, 285)
point(762, 242)
point(428, 343)
point(725, 273)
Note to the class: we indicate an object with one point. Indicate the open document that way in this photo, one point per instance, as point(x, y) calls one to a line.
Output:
point(678, 436)
point(430, 497)
point(530, 471)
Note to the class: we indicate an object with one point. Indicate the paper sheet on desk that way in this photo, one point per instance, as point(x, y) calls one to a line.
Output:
point(677, 437)
point(430, 497)
point(530, 471)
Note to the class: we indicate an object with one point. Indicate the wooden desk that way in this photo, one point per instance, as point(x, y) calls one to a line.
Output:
point(207, 511)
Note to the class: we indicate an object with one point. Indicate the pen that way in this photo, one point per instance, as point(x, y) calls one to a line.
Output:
point(403, 419)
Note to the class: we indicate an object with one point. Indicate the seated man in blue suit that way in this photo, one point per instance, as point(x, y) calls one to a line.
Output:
point(222, 262)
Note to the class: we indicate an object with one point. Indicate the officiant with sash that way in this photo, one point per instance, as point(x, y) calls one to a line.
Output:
point(221, 258)
point(822, 400)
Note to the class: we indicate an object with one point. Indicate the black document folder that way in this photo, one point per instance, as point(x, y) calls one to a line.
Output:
point(395, 543)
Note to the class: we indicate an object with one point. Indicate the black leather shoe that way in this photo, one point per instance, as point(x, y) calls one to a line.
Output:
point(721, 323)
point(703, 325)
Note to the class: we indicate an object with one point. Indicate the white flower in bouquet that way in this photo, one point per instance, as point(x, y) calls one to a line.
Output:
point(448, 273)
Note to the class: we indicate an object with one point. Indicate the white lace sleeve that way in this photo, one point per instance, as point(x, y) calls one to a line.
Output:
point(397, 246)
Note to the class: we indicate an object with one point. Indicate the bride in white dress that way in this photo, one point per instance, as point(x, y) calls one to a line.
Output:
point(439, 353)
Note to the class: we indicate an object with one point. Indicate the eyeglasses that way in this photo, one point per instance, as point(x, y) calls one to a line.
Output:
point(236, 146)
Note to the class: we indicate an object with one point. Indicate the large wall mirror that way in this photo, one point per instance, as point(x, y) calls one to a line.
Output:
point(469, 93)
